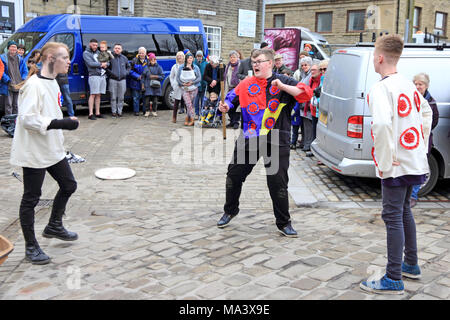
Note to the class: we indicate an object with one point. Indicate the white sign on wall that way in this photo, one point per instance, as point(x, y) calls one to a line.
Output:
point(247, 23)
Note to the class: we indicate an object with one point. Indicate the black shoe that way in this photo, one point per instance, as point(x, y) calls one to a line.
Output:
point(136, 114)
point(92, 117)
point(288, 231)
point(56, 230)
point(309, 154)
point(230, 125)
point(35, 255)
point(236, 126)
point(100, 116)
point(292, 146)
point(114, 115)
point(119, 115)
point(225, 220)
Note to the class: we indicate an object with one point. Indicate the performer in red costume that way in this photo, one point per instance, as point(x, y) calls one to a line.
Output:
point(266, 100)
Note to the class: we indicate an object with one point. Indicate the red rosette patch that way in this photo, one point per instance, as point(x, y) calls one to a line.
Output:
point(60, 100)
point(253, 108)
point(274, 90)
point(417, 100)
point(373, 157)
point(269, 123)
point(252, 127)
point(410, 138)
point(273, 105)
point(404, 105)
point(254, 89)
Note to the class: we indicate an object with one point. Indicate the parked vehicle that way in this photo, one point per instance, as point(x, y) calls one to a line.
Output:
point(343, 140)
point(290, 41)
point(163, 36)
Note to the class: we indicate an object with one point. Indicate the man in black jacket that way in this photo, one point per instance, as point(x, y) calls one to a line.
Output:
point(117, 71)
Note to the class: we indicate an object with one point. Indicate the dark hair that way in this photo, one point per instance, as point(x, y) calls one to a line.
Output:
point(117, 44)
point(34, 53)
point(20, 46)
point(93, 40)
point(263, 45)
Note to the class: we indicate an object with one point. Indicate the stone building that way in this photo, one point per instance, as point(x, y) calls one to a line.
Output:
point(222, 19)
point(342, 21)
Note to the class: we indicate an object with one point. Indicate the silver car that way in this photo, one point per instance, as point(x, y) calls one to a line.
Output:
point(343, 141)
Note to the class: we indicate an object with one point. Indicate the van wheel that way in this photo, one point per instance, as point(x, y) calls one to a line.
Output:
point(432, 177)
point(169, 98)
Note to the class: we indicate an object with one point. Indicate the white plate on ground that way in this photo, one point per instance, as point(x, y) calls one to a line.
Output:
point(116, 173)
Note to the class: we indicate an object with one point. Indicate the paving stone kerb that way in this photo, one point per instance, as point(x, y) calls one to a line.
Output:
point(154, 236)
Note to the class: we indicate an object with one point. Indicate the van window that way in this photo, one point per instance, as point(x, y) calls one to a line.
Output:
point(344, 76)
point(29, 39)
point(162, 45)
point(193, 42)
point(66, 38)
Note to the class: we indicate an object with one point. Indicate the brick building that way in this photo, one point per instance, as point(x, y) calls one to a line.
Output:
point(342, 21)
point(220, 18)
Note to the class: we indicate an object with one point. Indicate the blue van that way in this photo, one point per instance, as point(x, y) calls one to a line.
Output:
point(162, 36)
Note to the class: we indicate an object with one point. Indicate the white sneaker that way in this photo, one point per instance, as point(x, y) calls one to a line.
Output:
point(154, 114)
point(147, 114)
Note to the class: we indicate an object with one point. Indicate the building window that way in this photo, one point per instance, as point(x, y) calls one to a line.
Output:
point(324, 21)
point(417, 18)
point(214, 36)
point(441, 24)
point(355, 20)
point(278, 20)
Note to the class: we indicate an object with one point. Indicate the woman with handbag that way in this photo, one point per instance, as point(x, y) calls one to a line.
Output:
point(151, 84)
point(189, 79)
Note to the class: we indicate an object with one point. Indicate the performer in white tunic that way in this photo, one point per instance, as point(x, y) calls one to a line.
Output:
point(400, 129)
point(38, 147)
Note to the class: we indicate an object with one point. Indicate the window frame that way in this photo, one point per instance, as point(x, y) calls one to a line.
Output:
point(419, 18)
point(317, 21)
point(348, 20)
point(444, 22)
point(275, 16)
point(213, 51)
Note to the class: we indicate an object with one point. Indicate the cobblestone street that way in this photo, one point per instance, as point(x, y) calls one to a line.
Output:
point(154, 236)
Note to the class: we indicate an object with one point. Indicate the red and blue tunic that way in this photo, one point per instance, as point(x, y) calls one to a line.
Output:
point(265, 107)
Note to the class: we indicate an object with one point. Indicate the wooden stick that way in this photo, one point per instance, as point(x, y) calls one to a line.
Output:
point(222, 98)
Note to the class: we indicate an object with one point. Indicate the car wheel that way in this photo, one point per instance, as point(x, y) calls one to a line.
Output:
point(432, 177)
point(169, 97)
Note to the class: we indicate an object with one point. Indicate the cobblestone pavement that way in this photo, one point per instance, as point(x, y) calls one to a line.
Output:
point(154, 236)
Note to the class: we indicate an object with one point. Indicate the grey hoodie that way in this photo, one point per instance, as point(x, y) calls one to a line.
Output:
point(118, 68)
point(94, 67)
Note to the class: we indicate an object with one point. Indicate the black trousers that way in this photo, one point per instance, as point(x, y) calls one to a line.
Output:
point(153, 100)
point(276, 162)
point(32, 185)
point(234, 116)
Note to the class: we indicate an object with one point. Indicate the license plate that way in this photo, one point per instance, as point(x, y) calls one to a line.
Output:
point(323, 118)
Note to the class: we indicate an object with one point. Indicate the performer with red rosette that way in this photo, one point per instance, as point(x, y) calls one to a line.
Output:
point(400, 129)
point(266, 101)
point(38, 148)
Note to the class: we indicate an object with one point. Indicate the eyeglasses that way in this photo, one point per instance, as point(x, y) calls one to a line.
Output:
point(255, 63)
point(323, 69)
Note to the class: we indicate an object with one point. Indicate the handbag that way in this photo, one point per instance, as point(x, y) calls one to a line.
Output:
point(155, 84)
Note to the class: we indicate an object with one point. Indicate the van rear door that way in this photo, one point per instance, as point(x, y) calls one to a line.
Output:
point(340, 126)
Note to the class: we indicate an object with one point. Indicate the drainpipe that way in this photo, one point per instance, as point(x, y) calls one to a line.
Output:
point(398, 16)
point(107, 7)
point(263, 18)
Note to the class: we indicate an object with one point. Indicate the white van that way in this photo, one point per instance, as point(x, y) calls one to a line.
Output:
point(343, 141)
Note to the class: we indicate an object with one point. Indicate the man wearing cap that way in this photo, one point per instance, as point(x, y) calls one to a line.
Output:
point(201, 63)
point(16, 71)
point(280, 67)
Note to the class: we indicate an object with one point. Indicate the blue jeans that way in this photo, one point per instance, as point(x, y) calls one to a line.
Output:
point(400, 229)
point(199, 102)
point(415, 191)
point(67, 100)
point(137, 95)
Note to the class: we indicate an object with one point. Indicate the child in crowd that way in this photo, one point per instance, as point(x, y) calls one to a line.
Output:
point(210, 108)
point(105, 55)
point(401, 125)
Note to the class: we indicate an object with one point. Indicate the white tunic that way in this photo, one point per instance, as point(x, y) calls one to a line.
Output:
point(33, 146)
point(401, 125)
